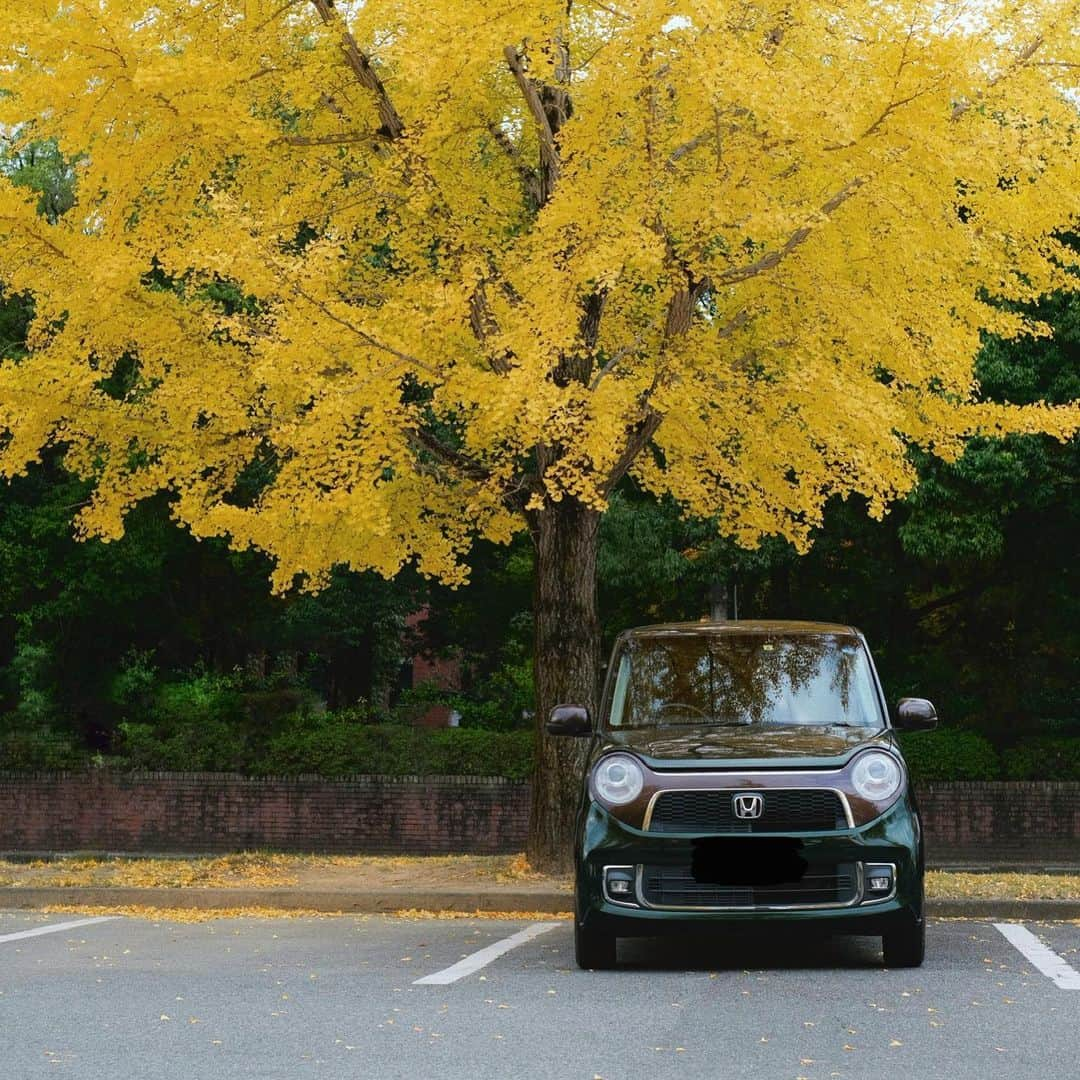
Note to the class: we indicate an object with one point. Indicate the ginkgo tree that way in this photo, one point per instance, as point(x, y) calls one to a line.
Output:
point(358, 283)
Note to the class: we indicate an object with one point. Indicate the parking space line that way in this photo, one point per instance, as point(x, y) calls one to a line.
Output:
point(55, 928)
point(477, 960)
point(1044, 958)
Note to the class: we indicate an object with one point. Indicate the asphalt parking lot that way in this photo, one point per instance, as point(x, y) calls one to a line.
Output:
point(340, 997)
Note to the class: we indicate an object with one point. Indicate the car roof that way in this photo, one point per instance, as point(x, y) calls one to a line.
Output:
point(787, 627)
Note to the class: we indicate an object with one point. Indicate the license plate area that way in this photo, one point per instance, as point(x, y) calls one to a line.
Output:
point(735, 862)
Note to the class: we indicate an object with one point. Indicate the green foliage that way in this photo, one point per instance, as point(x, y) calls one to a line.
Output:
point(1044, 757)
point(40, 749)
point(29, 670)
point(133, 685)
point(949, 754)
point(337, 744)
point(41, 167)
point(203, 697)
point(191, 725)
point(209, 746)
point(501, 700)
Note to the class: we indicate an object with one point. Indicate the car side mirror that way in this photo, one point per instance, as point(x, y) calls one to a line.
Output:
point(569, 720)
point(915, 714)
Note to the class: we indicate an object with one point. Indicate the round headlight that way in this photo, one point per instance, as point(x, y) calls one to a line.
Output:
point(618, 779)
point(876, 776)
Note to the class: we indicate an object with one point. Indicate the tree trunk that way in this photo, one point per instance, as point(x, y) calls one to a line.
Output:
point(567, 667)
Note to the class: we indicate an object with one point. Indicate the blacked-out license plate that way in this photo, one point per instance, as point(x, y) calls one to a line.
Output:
point(719, 860)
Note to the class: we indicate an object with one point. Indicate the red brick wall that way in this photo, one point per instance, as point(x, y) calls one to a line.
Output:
point(1037, 822)
point(221, 812)
point(1022, 821)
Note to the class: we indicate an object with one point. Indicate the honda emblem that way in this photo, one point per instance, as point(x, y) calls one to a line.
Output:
point(747, 806)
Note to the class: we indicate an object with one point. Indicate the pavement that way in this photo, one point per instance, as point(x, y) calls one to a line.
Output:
point(385, 998)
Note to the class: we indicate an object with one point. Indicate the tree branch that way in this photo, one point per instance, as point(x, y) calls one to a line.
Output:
point(324, 140)
point(530, 179)
point(364, 335)
point(1025, 54)
point(798, 237)
point(424, 440)
point(549, 155)
point(391, 123)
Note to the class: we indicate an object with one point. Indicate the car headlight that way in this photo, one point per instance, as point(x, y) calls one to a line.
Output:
point(618, 779)
point(877, 776)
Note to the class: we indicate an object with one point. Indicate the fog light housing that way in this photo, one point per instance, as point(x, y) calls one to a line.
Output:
point(880, 880)
point(619, 884)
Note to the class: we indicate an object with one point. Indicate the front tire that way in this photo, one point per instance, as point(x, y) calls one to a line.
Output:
point(905, 946)
point(594, 950)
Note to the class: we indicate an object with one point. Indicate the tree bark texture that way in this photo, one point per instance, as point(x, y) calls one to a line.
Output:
point(567, 659)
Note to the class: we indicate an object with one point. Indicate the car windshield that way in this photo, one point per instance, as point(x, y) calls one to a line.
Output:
point(741, 679)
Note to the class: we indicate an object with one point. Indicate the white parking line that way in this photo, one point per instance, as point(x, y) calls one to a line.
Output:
point(478, 960)
point(54, 928)
point(1044, 958)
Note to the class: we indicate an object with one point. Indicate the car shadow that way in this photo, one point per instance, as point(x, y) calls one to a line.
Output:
point(744, 948)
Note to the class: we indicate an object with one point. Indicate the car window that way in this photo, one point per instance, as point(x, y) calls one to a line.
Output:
point(741, 679)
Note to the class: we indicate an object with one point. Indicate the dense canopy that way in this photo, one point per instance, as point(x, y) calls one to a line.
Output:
point(357, 283)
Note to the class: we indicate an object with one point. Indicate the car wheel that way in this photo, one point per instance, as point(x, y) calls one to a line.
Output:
point(593, 949)
point(905, 946)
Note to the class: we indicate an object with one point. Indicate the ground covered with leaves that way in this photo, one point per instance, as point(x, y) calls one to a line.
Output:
point(268, 870)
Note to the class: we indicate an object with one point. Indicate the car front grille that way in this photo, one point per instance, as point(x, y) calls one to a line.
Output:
point(712, 812)
point(677, 887)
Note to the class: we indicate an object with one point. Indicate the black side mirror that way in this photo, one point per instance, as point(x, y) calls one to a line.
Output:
point(915, 714)
point(569, 720)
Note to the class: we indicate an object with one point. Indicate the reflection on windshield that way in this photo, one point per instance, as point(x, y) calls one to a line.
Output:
point(739, 679)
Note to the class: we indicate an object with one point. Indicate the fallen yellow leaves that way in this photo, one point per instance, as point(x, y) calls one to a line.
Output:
point(532, 916)
point(190, 915)
point(400, 872)
point(942, 885)
point(251, 869)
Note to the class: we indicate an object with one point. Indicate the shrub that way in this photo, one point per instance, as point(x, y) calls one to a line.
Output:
point(203, 746)
point(203, 696)
point(950, 754)
point(193, 725)
point(335, 744)
point(40, 749)
point(1044, 757)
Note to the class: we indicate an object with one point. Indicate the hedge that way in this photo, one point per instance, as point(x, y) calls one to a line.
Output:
point(1044, 757)
point(950, 754)
point(332, 745)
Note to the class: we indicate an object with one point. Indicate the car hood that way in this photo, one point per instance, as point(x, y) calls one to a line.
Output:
point(805, 746)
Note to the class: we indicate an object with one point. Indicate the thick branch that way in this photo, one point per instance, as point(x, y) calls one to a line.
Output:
point(530, 179)
point(391, 124)
point(637, 440)
point(484, 325)
point(447, 455)
point(549, 155)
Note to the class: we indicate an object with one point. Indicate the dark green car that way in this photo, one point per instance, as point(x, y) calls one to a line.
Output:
point(746, 771)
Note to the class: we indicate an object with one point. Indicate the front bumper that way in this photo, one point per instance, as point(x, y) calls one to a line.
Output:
point(891, 839)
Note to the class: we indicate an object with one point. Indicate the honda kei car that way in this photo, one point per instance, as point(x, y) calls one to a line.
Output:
point(746, 771)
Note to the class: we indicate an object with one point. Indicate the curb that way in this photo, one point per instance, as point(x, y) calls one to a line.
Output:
point(330, 901)
point(1004, 908)
point(372, 901)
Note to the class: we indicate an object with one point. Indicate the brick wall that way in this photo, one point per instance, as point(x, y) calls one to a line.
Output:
point(1036, 822)
point(1022, 821)
point(223, 812)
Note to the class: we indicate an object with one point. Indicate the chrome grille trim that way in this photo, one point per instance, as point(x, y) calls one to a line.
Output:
point(853, 902)
point(647, 822)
